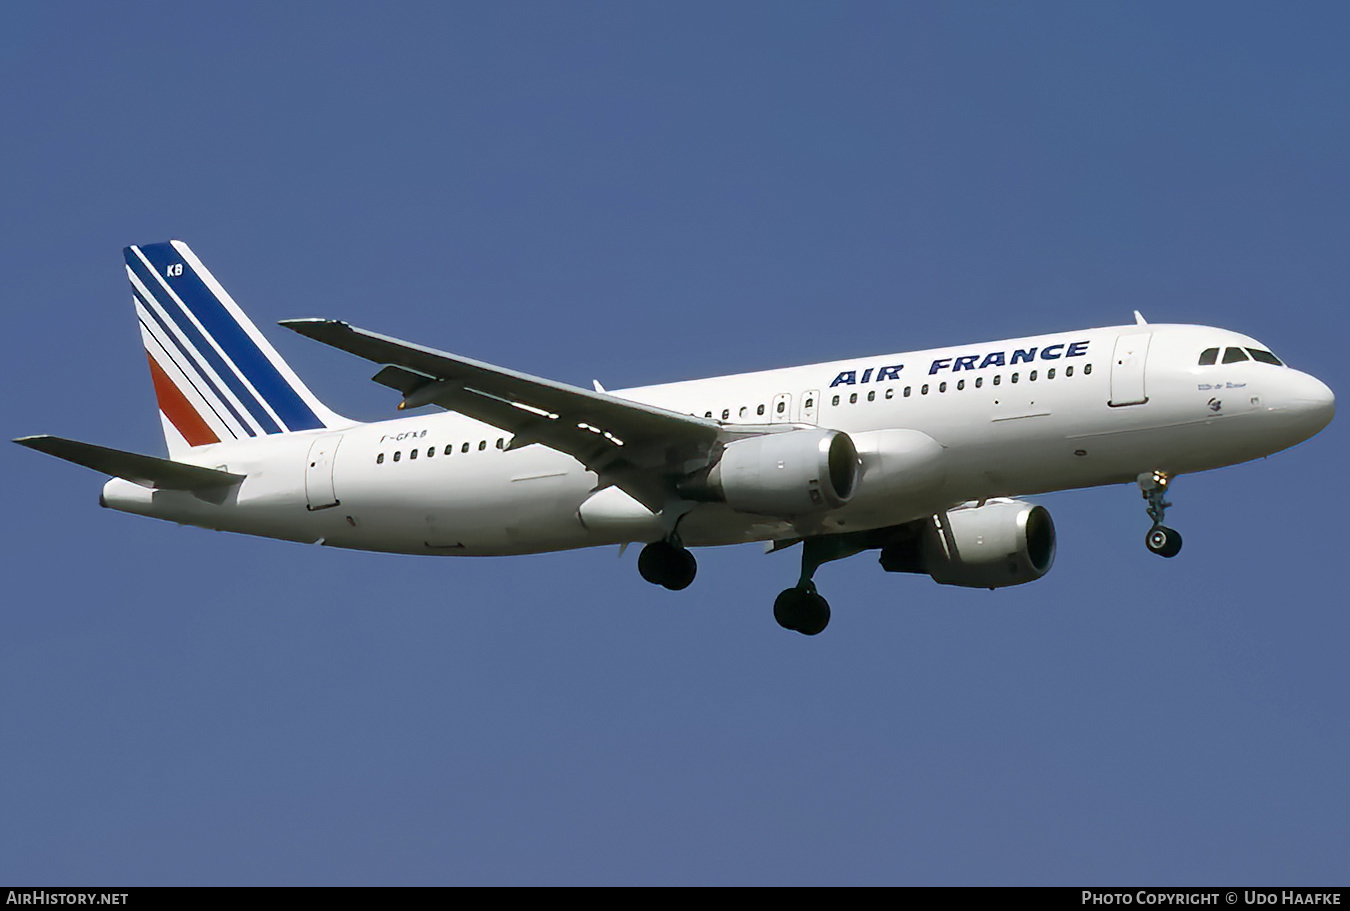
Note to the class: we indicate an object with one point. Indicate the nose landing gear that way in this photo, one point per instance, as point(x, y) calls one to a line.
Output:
point(1164, 541)
point(1161, 540)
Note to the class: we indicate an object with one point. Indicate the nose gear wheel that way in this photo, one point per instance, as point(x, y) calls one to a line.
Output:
point(1161, 540)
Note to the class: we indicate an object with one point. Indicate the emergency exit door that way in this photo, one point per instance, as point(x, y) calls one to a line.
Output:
point(319, 490)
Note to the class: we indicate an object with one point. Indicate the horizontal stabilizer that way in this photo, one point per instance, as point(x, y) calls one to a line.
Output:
point(144, 470)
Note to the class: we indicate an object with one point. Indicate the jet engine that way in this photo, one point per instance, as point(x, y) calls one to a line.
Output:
point(1003, 542)
point(793, 473)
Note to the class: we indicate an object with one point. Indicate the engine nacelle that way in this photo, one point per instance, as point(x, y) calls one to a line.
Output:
point(1004, 542)
point(793, 473)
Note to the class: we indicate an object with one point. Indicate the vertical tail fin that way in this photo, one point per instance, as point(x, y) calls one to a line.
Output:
point(216, 378)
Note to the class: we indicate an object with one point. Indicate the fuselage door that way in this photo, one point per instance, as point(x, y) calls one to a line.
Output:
point(810, 404)
point(319, 492)
point(781, 409)
point(1127, 369)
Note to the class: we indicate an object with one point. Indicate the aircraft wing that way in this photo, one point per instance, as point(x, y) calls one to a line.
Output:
point(626, 443)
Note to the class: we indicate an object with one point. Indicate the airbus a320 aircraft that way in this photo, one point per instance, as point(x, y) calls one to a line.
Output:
point(916, 455)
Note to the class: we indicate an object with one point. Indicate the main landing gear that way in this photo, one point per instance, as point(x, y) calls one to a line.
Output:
point(800, 608)
point(1164, 541)
point(668, 564)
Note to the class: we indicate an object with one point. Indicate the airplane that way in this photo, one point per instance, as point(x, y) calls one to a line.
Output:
point(924, 456)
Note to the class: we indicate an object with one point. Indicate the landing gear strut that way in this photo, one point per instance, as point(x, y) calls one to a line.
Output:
point(668, 564)
point(1164, 541)
point(799, 608)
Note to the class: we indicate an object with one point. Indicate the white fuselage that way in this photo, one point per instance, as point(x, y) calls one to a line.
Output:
point(933, 429)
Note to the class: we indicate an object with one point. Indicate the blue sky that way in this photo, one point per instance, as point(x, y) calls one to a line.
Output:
point(640, 193)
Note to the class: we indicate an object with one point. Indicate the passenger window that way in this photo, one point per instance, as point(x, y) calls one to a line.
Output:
point(942, 387)
point(1032, 377)
point(1014, 377)
point(464, 448)
point(396, 455)
point(379, 459)
point(853, 398)
point(449, 448)
point(482, 444)
point(872, 395)
point(960, 384)
point(1087, 368)
point(501, 442)
point(835, 400)
point(890, 393)
point(707, 414)
point(760, 410)
point(908, 390)
point(431, 451)
point(741, 413)
point(1068, 371)
point(810, 403)
point(1265, 357)
point(413, 454)
point(1050, 374)
point(979, 381)
point(782, 406)
point(997, 377)
point(726, 413)
point(923, 390)
point(1209, 357)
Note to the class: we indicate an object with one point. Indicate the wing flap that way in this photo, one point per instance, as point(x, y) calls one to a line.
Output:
point(147, 471)
point(404, 380)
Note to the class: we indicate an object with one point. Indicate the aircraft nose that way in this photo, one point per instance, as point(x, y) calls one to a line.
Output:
point(1313, 401)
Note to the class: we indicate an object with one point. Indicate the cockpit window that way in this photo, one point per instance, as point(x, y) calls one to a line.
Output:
point(1264, 357)
point(1236, 355)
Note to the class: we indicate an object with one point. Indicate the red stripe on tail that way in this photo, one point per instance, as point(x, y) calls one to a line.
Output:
point(178, 409)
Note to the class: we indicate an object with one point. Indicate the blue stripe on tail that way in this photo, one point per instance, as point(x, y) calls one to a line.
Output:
point(189, 367)
point(203, 347)
point(221, 325)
